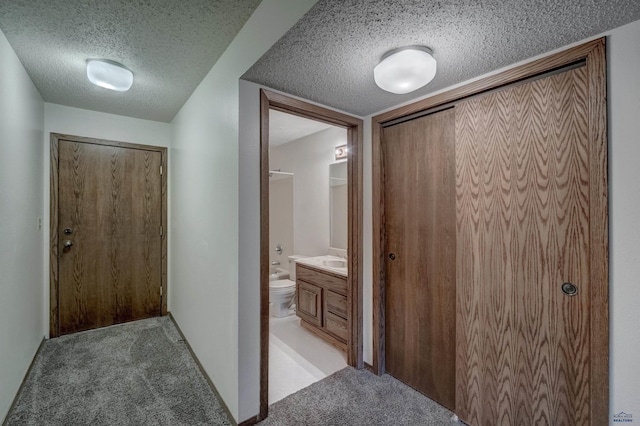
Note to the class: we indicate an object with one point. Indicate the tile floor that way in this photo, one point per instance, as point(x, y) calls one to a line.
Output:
point(298, 358)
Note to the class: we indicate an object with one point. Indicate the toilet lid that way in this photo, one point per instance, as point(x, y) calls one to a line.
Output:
point(281, 283)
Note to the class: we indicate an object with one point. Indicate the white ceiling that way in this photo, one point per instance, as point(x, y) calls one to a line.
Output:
point(285, 127)
point(169, 45)
point(327, 57)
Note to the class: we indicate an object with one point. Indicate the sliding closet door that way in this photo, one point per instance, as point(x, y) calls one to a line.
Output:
point(522, 188)
point(419, 193)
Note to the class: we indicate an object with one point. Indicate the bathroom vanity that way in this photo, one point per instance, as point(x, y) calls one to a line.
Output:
point(321, 295)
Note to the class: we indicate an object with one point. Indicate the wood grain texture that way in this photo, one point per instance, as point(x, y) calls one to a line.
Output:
point(336, 325)
point(378, 255)
point(593, 53)
point(54, 323)
point(336, 304)
point(165, 231)
point(309, 302)
point(599, 234)
point(355, 244)
point(522, 157)
point(322, 301)
point(55, 227)
point(322, 278)
point(420, 230)
point(264, 256)
point(354, 126)
point(111, 197)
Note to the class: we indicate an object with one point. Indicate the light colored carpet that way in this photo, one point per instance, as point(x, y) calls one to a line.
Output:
point(138, 373)
point(358, 397)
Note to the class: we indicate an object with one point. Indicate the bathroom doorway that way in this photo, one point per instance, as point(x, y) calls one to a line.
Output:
point(311, 228)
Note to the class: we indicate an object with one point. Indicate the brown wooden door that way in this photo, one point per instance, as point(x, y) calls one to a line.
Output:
point(420, 232)
point(109, 199)
point(522, 162)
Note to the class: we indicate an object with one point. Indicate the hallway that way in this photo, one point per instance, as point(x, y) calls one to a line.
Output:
point(138, 373)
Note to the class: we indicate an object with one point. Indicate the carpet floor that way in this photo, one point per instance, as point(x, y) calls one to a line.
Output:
point(358, 397)
point(139, 373)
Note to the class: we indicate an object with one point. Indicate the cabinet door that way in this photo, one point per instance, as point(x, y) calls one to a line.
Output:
point(309, 303)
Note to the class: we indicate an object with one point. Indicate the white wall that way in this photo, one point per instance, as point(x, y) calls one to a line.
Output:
point(308, 158)
point(624, 212)
point(99, 125)
point(205, 207)
point(21, 189)
point(281, 219)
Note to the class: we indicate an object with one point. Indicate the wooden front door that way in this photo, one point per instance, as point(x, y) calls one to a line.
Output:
point(523, 207)
point(109, 235)
point(420, 232)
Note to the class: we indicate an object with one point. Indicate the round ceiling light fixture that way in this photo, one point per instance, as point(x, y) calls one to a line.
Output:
point(405, 69)
point(109, 74)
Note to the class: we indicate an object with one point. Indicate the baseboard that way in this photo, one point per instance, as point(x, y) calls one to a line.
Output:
point(204, 373)
point(369, 368)
point(24, 380)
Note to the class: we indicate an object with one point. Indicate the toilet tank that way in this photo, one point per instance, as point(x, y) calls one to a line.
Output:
point(292, 266)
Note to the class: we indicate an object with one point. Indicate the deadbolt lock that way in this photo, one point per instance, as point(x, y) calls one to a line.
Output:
point(67, 231)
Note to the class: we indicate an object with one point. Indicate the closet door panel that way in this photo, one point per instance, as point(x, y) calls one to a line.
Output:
point(522, 189)
point(420, 254)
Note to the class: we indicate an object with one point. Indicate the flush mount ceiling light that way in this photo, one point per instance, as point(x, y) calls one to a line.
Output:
point(109, 74)
point(406, 69)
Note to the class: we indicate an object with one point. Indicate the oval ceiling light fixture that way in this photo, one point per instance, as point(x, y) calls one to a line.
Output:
point(109, 74)
point(405, 69)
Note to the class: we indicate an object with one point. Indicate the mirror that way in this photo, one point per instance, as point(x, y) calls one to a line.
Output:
point(338, 204)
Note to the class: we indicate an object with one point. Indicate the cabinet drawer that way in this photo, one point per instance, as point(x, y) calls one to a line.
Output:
point(336, 325)
point(309, 303)
point(322, 279)
point(336, 304)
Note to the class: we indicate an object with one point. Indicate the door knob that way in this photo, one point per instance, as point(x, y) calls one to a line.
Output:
point(68, 244)
point(392, 256)
point(569, 289)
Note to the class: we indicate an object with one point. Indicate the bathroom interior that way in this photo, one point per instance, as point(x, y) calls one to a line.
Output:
point(308, 217)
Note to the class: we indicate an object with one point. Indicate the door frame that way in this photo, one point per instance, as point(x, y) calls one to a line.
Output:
point(276, 101)
point(54, 308)
point(593, 55)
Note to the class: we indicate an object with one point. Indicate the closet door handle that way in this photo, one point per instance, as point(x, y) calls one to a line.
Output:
point(569, 289)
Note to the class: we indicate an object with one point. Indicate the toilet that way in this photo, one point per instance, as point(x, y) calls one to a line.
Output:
point(282, 292)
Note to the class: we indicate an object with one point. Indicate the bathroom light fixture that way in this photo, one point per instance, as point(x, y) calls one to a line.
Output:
point(109, 74)
point(405, 69)
point(341, 152)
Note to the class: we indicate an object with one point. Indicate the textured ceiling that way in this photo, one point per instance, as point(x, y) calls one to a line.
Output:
point(169, 45)
point(329, 55)
point(285, 127)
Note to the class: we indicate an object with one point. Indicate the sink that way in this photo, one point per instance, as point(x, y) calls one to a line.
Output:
point(335, 263)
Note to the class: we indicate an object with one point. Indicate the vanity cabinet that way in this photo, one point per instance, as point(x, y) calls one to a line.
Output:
point(322, 303)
